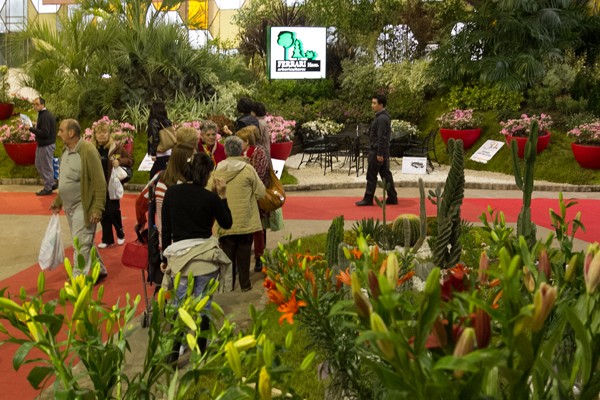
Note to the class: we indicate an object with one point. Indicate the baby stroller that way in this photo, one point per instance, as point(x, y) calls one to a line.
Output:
point(144, 253)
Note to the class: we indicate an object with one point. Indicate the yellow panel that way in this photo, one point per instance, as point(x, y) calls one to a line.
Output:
point(197, 14)
point(158, 4)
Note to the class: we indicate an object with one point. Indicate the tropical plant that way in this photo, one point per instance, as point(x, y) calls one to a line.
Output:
point(587, 134)
point(522, 126)
point(4, 85)
point(458, 119)
point(14, 131)
point(282, 130)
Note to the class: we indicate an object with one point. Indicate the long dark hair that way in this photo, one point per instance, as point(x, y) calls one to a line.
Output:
point(199, 169)
point(158, 111)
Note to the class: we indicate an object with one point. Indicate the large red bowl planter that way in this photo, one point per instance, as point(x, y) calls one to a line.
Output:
point(543, 141)
point(586, 156)
point(6, 110)
point(128, 147)
point(21, 153)
point(281, 150)
point(468, 136)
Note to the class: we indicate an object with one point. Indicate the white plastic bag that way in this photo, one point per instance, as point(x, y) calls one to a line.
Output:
point(115, 187)
point(121, 173)
point(52, 252)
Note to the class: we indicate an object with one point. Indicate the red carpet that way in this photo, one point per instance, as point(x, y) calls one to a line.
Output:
point(123, 280)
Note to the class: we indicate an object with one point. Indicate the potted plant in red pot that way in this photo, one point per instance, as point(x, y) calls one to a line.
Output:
point(6, 105)
point(518, 129)
point(460, 124)
point(122, 132)
point(19, 143)
point(282, 133)
point(586, 148)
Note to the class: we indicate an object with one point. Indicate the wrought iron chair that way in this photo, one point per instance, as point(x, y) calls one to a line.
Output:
point(424, 147)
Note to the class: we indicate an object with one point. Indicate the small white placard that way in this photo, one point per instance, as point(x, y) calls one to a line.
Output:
point(414, 165)
point(146, 164)
point(278, 166)
point(487, 151)
point(25, 120)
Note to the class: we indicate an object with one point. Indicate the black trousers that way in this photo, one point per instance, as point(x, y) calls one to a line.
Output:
point(238, 249)
point(111, 217)
point(160, 164)
point(382, 169)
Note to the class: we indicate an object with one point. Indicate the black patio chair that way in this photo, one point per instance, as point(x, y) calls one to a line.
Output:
point(424, 147)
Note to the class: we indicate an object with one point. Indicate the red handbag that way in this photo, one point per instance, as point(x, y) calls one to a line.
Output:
point(135, 255)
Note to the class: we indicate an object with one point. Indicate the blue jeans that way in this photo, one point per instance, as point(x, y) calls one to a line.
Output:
point(200, 285)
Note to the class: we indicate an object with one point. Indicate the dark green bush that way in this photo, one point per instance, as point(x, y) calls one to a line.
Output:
point(484, 98)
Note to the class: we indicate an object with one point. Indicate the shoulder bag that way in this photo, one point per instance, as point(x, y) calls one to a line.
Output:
point(275, 195)
point(167, 139)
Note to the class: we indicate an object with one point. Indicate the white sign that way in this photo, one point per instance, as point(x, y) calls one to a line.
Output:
point(278, 166)
point(146, 164)
point(414, 165)
point(487, 151)
point(297, 52)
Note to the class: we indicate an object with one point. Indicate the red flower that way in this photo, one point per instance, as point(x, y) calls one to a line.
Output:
point(454, 280)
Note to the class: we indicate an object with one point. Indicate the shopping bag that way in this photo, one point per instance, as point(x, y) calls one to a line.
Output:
point(135, 255)
point(115, 188)
point(274, 195)
point(52, 252)
point(275, 222)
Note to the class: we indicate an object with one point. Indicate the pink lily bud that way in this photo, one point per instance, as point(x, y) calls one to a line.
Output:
point(542, 305)
point(528, 279)
point(571, 268)
point(544, 264)
point(484, 265)
point(374, 284)
point(483, 328)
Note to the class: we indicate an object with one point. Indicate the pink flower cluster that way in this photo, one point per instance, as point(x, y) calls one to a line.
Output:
point(122, 132)
point(458, 119)
point(522, 126)
point(588, 134)
point(282, 130)
point(16, 132)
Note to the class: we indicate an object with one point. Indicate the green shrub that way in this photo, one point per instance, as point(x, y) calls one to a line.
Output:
point(484, 98)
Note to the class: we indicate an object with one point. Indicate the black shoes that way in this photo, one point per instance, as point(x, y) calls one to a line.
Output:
point(258, 265)
point(44, 192)
point(390, 201)
point(55, 186)
point(364, 202)
point(246, 289)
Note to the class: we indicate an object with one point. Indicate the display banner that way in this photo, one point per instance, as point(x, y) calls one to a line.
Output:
point(297, 52)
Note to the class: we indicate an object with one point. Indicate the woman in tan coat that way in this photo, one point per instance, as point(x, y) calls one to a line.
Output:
point(244, 188)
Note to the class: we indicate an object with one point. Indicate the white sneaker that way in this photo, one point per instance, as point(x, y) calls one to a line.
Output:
point(120, 242)
point(102, 246)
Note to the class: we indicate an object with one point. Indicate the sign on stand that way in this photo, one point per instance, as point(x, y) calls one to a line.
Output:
point(414, 165)
point(278, 166)
point(487, 151)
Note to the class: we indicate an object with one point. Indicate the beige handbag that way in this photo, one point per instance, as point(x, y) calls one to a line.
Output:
point(275, 195)
point(167, 139)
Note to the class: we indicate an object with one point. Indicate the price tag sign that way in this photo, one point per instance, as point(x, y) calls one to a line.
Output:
point(414, 165)
point(487, 151)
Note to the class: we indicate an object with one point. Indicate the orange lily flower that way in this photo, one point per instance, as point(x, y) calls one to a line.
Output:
point(269, 284)
point(344, 277)
point(275, 297)
point(290, 308)
point(405, 277)
point(356, 253)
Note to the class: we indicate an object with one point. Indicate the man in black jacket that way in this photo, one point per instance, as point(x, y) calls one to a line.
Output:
point(45, 136)
point(379, 153)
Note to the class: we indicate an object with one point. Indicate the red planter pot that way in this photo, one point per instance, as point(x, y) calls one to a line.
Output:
point(586, 156)
point(21, 153)
point(128, 147)
point(282, 150)
point(542, 143)
point(6, 110)
point(468, 136)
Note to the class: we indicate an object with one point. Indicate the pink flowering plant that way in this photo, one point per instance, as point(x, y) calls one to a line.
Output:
point(522, 126)
point(458, 119)
point(122, 132)
point(15, 132)
point(282, 130)
point(587, 134)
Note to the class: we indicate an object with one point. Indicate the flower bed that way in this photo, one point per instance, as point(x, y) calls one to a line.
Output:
point(16, 132)
point(458, 119)
point(586, 134)
point(521, 127)
point(281, 129)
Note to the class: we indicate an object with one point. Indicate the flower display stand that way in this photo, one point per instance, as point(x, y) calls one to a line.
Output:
point(542, 144)
point(21, 153)
point(281, 150)
point(468, 136)
point(6, 110)
point(586, 156)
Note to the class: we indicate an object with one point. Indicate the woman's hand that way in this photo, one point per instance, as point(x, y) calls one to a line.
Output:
point(226, 130)
point(115, 163)
point(220, 187)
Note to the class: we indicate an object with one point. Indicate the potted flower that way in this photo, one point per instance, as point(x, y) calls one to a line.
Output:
point(19, 142)
point(460, 124)
point(518, 129)
point(121, 132)
point(321, 127)
point(6, 106)
point(282, 133)
point(586, 147)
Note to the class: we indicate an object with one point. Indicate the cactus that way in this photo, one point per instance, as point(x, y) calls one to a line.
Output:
point(407, 229)
point(447, 248)
point(422, 218)
point(335, 235)
point(524, 181)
